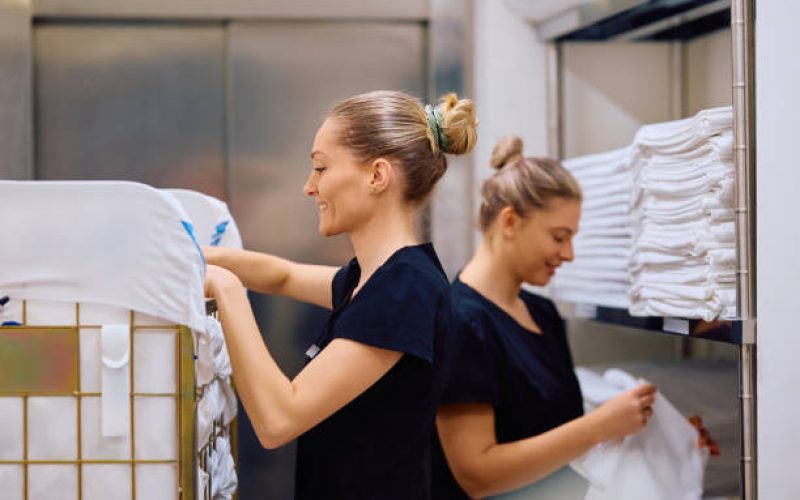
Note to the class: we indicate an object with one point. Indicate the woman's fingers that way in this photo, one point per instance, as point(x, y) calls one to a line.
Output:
point(643, 390)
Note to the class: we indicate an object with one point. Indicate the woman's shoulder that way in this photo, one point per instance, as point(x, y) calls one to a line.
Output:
point(419, 266)
point(469, 308)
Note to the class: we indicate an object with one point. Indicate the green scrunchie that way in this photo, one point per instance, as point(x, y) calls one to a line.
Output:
point(436, 124)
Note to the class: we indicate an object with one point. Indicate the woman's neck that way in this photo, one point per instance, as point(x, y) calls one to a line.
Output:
point(382, 236)
point(487, 273)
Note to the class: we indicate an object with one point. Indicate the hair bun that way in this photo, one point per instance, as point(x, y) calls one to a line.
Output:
point(507, 149)
point(460, 124)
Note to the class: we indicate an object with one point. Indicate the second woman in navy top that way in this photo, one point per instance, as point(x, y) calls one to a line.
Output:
point(511, 411)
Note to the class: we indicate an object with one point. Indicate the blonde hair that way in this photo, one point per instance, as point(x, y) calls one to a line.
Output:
point(523, 183)
point(395, 125)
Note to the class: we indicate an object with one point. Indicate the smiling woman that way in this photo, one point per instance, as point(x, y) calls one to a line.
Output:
point(364, 405)
point(511, 412)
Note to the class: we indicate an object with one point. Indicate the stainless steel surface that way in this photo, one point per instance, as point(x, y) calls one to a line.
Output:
point(742, 26)
point(452, 208)
point(142, 102)
point(676, 20)
point(416, 10)
point(743, 48)
point(555, 115)
point(633, 25)
point(16, 143)
point(747, 384)
point(582, 16)
point(283, 77)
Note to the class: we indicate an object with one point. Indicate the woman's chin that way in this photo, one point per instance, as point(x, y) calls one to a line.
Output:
point(539, 280)
point(326, 230)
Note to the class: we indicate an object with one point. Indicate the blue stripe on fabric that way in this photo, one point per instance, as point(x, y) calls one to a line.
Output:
point(219, 232)
point(190, 229)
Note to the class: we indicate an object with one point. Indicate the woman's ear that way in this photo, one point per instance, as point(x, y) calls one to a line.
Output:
point(381, 174)
point(509, 222)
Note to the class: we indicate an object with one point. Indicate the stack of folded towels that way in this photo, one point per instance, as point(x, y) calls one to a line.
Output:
point(657, 231)
point(599, 274)
point(683, 259)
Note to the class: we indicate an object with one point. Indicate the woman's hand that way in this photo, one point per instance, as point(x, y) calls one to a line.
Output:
point(219, 279)
point(212, 254)
point(626, 413)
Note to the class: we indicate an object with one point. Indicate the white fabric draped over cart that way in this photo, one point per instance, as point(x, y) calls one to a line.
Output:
point(119, 244)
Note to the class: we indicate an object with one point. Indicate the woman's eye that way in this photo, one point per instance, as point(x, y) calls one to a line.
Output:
point(558, 240)
point(319, 169)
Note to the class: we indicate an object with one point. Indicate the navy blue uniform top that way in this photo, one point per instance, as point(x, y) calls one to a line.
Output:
point(378, 445)
point(528, 378)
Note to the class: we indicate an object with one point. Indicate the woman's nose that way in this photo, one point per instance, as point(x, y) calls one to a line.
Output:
point(567, 253)
point(310, 188)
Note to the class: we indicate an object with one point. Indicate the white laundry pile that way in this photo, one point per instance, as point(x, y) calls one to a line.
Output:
point(661, 462)
point(683, 257)
point(217, 404)
point(221, 471)
point(216, 409)
point(599, 274)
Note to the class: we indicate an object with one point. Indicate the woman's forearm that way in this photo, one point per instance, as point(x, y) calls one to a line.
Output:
point(273, 275)
point(508, 466)
point(484, 467)
point(260, 272)
point(261, 385)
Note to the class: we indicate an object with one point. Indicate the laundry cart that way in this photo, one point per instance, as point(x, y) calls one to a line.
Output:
point(104, 336)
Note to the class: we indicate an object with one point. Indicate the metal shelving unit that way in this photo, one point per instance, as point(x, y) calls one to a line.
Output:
point(680, 21)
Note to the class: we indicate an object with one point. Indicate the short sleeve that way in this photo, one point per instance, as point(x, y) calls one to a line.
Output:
point(339, 286)
point(473, 373)
point(399, 309)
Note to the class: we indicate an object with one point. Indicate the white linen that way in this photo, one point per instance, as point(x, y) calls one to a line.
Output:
point(53, 482)
point(599, 274)
point(212, 353)
point(213, 222)
point(155, 418)
point(658, 217)
point(222, 471)
point(156, 481)
point(107, 482)
point(683, 255)
point(217, 403)
point(12, 479)
point(11, 432)
point(52, 438)
point(116, 243)
point(661, 462)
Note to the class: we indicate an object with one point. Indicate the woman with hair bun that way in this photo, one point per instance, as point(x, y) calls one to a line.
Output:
point(512, 411)
point(364, 405)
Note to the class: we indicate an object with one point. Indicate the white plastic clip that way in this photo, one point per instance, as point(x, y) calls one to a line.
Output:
point(115, 401)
